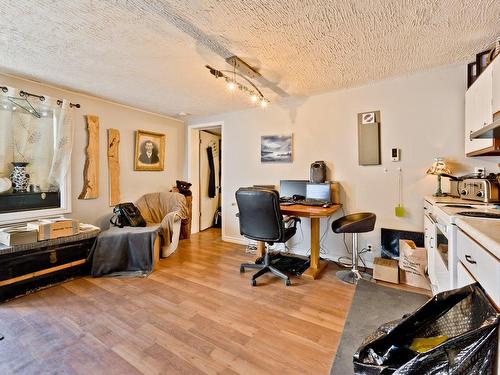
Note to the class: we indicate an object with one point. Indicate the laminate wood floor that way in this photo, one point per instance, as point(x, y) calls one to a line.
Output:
point(195, 315)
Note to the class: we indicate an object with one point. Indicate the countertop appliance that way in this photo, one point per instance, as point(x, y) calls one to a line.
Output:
point(486, 190)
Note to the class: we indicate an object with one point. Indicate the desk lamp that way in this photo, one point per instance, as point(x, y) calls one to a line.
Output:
point(439, 168)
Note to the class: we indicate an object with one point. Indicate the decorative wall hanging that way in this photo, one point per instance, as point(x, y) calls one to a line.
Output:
point(149, 151)
point(369, 138)
point(91, 170)
point(114, 166)
point(276, 149)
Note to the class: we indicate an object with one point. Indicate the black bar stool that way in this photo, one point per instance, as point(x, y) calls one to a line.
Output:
point(355, 223)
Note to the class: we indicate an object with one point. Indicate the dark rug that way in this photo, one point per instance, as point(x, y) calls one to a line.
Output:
point(372, 306)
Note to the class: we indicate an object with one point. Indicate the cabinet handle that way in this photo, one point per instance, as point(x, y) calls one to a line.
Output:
point(469, 259)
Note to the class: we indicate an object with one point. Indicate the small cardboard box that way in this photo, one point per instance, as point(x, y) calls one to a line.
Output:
point(413, 265)
point(48, 229)
point(11, 236)
point(386, 270)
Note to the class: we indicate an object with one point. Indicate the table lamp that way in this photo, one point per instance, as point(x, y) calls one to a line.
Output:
point(439, 168)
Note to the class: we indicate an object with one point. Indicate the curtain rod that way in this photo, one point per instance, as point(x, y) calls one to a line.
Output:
point(41, 97)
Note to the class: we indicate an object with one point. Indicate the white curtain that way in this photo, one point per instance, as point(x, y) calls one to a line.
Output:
point(63, 144)
point(43, 138)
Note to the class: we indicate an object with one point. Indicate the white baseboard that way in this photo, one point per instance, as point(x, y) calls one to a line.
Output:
point(237, 240)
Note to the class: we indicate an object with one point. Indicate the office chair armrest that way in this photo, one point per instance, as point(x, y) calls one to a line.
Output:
point(293, 220)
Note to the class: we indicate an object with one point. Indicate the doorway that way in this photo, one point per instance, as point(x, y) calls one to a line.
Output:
point(210, 178)
point(198, 168)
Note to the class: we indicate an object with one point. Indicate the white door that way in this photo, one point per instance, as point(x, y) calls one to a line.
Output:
point(208, 205)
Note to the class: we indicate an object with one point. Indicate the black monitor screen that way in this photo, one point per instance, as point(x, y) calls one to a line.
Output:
point(289, 188)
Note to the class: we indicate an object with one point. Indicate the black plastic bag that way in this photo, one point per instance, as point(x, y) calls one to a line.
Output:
point(465, 315)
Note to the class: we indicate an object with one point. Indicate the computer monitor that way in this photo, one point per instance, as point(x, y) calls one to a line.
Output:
point(319, 191)
point(289, 188)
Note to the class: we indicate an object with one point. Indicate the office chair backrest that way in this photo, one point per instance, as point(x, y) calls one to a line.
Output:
point(260, 215)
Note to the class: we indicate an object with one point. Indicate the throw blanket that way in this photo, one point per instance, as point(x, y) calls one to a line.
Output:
point(163, 209)
point(124, 251)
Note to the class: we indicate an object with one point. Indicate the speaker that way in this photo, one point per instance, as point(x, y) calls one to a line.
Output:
point(318, 172)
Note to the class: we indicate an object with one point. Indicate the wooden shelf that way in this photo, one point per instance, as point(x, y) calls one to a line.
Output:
point(487, 132)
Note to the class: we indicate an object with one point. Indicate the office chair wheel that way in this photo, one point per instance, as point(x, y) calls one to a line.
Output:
point(242, 269)
point(254, 282)
point(288, 282)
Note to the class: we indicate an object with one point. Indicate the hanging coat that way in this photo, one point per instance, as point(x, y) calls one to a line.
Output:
point(211, 178)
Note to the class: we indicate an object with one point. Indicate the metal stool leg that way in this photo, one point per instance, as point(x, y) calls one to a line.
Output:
point(353, 275)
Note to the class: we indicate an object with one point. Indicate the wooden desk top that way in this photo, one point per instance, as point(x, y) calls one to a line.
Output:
point(309, 211)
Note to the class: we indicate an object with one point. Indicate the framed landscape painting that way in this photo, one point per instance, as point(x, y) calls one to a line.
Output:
point(276, 148)
point(149, 151)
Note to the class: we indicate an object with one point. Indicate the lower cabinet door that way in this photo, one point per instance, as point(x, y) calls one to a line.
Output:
point(463, 276)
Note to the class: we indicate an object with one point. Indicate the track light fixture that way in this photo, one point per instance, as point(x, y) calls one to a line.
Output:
point(232, 83)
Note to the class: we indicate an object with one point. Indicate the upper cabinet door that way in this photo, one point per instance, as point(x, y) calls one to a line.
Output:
point(478, 110)
point(496, 85)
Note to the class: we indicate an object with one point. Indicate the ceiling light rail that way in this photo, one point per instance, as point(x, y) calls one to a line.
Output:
point(232, 84)
point(25, 94)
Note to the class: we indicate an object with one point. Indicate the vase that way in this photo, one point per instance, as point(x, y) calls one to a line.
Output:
point(20, 179)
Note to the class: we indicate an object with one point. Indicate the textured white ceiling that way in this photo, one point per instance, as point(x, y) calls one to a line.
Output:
point(151, 54)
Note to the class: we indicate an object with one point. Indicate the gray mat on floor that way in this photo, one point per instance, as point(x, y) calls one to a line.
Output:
point(372, 306)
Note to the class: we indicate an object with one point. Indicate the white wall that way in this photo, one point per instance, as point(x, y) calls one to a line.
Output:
point(423, 114)
point(133, 183)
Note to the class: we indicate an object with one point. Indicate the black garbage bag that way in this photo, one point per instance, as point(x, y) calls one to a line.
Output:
point(464, 315)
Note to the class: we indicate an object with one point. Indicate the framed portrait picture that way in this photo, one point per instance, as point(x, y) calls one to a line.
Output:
point(149, 151)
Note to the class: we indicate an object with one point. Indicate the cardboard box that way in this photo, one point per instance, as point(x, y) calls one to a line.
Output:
point(413, 265)
point(48, 229)
point(386, 270)
point(17, 235)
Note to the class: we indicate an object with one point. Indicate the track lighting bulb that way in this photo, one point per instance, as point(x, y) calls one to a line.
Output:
point(263, 103)
point(231, 86)
point(254, 98)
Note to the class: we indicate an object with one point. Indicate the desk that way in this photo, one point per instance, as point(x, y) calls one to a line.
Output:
point(315, 214)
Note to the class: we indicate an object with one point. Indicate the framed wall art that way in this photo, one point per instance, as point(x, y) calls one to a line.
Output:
point(276, 148)
point(149, 151)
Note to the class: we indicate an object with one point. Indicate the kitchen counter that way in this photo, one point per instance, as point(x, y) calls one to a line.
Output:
point(449, 199)
point(485, 232)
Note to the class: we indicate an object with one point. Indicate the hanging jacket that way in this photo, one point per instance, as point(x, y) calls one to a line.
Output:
point(211, 178)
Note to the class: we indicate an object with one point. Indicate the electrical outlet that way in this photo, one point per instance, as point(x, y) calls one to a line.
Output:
point(479, 170)
point(369, 247)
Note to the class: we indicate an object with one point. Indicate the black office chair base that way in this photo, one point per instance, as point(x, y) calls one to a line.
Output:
point(352, 277)
point(262, 269)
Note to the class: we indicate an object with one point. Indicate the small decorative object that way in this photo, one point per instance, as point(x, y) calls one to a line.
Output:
point(149, 151)
point(276, 149)
point(471, 73)
point(368, 118)
point(5, 184)
point(482, 61)
point(90, 188)
point(495, 51)
point(114, 166)
point(19, 177)
point(439, 168)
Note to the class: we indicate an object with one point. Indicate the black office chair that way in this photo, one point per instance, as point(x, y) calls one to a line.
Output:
point(261, 220)
point(355, 223)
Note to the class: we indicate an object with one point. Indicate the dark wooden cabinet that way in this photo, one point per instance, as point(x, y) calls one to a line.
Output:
point(28, 268)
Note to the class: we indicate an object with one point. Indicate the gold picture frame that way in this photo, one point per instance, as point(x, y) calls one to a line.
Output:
point(149, 151)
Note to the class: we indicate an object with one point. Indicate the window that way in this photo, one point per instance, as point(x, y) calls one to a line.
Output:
point(35, 152)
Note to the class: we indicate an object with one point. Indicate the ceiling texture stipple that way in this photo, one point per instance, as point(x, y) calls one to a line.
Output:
point(152, 54)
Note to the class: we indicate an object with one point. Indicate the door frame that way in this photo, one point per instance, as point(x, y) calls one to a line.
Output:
point(193, 167)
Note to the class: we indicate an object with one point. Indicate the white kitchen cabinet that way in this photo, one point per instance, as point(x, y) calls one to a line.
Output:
point(479, 109)
point(463, 276)
point(495, 103)
point(482, 101)
point(481, 264)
